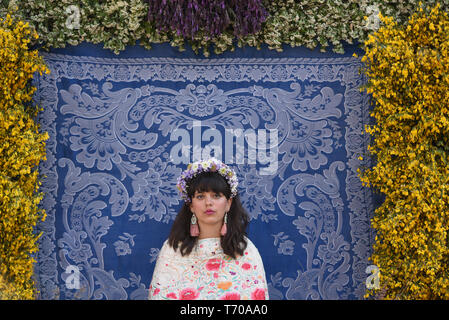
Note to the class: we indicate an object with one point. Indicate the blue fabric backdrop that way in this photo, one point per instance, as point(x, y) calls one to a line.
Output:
point(122, 128)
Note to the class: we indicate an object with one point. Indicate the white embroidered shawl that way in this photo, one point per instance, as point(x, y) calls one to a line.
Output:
point(208, 274)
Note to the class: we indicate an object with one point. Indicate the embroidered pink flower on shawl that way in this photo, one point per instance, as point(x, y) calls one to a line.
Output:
point(172, 295)
point(214, 264)
point(188, 294)
point(258, 294)
point(231, 296)
point(246, 266)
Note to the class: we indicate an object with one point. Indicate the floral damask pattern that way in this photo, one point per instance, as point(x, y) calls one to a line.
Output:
point(111, 171)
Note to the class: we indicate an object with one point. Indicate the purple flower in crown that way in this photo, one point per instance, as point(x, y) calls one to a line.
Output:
point(209, 165)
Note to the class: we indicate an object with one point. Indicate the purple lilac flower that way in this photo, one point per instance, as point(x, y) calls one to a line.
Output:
point(209, 18)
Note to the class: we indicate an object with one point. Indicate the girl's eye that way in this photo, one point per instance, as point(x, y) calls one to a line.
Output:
point(200, 196)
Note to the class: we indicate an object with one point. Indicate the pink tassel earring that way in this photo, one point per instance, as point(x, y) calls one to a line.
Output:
point(224, 227)
point(194, 230)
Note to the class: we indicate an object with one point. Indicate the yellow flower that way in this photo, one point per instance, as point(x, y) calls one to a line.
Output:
point(21, 150)
point(406, 65)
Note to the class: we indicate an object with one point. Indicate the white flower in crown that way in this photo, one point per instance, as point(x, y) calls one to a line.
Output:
point(209, 165)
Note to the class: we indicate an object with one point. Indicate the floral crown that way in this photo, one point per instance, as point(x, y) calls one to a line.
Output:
point(210, 165)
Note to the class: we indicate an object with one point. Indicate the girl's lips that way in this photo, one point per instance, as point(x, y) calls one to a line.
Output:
point(209, 212)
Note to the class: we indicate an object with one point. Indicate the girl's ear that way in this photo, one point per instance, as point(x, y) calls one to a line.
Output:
point(229, 204)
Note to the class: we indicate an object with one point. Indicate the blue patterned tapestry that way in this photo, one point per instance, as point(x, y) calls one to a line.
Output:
point(122, 128)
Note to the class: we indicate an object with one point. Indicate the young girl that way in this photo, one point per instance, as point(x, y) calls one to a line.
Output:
point(207, 255)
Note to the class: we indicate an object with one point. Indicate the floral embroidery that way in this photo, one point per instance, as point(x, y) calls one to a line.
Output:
point(258, 294)
point(214, 264)
point(188, 294)
point(208, 274)
point(246, 266)
point(231, 296)
point(172, 295)
point(224, 285)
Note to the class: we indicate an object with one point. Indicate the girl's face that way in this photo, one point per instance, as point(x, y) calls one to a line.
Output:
point(209, 208)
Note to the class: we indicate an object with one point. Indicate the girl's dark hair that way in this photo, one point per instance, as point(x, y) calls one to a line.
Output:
point(234, 242)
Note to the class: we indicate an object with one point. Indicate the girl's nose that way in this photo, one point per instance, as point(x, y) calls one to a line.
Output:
point(208, 199)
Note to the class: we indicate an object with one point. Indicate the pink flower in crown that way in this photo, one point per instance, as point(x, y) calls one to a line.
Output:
point(188, 294)
point(258, 294)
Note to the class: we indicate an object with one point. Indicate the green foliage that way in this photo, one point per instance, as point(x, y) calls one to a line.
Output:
point(116, 24)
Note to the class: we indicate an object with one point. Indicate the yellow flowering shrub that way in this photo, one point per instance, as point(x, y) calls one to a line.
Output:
point(408, 70)
point(22, 147)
